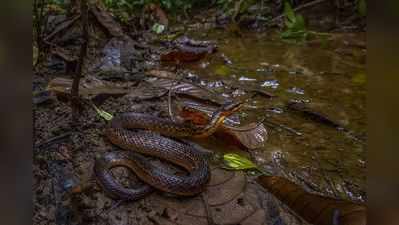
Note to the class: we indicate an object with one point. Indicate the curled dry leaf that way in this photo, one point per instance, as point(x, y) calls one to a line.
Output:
point(315, 209)
point(252, 135)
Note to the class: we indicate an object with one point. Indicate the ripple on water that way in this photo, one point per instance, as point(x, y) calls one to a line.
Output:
point(296, 90)
point(242, 78)
point(271, 83)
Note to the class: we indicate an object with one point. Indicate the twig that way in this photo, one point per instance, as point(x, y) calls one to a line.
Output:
point(170, 110)
point(79, 71)
point(53, 140)
point(114, 206)
point(277, 18)
point(273, 124)
point(208, 211)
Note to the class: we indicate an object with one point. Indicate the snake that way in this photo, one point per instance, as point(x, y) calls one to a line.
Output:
point(147, 135)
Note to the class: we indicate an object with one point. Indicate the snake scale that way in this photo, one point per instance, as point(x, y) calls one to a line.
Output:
point(144, 134)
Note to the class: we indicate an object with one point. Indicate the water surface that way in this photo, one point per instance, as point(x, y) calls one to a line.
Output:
point(329, 76)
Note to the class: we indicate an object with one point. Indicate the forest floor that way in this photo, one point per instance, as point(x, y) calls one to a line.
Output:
point(116, 80)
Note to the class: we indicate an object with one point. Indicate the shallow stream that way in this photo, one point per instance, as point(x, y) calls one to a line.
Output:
point(328, 75)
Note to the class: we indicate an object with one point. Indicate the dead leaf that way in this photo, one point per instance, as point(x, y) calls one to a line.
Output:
point(162, 74)
point(106, 20)
point(184, 40)
point(64, 54)
point(183, 55)
point(146, 91)
point(188, 50)
point(62, 27)
point(89, 87)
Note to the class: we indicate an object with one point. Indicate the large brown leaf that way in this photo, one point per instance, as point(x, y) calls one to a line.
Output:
point(315, 209)
point(89, 87)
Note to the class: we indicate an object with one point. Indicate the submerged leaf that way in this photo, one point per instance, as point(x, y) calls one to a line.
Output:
point(308, 205)
point(359, 78)
point(222, 70)
point(234, 161)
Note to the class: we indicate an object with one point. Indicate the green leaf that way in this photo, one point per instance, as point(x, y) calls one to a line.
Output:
point(300, 22)
point(234, 161)
point(362, 7)
point(289, 12)
point(105, 115)
point(158, 28)
point(295, 25)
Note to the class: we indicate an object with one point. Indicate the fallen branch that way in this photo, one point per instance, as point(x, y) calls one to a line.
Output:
point(208, 211)
point(53, 140)
point(62, 28)
point(79, 71)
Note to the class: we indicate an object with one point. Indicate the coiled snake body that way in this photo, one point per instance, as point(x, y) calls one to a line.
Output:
point(150, 140)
